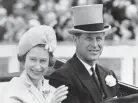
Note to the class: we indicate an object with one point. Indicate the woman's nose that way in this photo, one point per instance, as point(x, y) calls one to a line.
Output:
point(38, 65)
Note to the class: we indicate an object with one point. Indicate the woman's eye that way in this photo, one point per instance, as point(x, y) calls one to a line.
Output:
point(99, 38)
point(33, 59)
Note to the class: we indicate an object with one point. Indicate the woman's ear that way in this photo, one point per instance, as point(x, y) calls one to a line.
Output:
point(51, 60)
point(21, 61)
point(22, 65)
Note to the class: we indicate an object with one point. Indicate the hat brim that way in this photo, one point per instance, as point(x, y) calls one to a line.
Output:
point(75, 31)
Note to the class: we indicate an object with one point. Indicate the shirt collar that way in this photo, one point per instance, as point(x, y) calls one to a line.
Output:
point(87, 66)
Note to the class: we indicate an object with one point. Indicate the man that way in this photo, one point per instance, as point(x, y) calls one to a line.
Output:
point(88, 82)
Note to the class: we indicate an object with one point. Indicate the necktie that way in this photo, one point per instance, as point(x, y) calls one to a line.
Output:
point(95, 77)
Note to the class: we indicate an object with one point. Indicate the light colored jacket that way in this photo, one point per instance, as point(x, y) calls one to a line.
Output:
point(21, 90)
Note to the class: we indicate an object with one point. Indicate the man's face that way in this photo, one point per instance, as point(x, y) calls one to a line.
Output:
point(89, 46)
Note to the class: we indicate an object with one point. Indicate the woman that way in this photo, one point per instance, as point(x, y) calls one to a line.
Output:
point(35, 50)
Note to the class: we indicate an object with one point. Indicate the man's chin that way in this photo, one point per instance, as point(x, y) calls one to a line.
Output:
point(92, 59)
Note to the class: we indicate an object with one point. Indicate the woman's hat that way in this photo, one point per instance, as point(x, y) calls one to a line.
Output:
point(88, 19)
point(40, 34)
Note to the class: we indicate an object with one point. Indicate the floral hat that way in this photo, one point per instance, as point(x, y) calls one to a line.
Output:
point(40, 34)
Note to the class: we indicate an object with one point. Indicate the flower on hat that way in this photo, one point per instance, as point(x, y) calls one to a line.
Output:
point(49, 45)
point(110, 80)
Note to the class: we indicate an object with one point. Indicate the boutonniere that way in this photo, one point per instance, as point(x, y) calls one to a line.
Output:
point(110, 80)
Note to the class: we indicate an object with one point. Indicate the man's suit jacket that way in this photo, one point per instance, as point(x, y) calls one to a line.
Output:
point(82, 88)
point(132, 98)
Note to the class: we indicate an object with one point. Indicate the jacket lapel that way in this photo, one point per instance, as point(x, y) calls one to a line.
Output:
point(37, 94)
point(86, 79)
point(102, 73)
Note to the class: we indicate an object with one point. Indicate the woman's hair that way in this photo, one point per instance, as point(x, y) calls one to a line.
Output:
point(51, 59)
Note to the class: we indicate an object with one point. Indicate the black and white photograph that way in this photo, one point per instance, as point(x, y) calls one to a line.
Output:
point(68, 51)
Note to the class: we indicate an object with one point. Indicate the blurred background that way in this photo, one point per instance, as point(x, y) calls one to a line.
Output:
point(121, 47)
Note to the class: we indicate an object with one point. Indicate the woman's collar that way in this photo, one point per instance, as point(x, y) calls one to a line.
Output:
point(28, 81)
point(43, 86)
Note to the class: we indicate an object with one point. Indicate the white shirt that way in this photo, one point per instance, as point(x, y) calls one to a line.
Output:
point(87, 66)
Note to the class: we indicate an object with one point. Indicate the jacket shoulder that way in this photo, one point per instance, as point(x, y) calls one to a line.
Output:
point(107, 70)
point(63, 75)
point(66, 68)
point(14, 86)
point(12, 90)
point(48, 87)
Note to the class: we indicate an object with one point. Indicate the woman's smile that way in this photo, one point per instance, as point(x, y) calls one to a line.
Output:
point(37, 72)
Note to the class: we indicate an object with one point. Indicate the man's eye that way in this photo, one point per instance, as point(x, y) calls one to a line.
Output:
point(44, 60)
point(88, 38)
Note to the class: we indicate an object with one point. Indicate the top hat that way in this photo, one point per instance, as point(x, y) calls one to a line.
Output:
point(88, 19)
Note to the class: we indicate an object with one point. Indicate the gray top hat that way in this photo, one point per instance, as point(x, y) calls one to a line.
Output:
point(88, 19)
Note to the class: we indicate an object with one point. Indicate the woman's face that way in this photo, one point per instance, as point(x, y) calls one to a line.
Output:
point(36, 62)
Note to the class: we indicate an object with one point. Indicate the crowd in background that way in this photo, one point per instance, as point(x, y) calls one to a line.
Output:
point(16, 16)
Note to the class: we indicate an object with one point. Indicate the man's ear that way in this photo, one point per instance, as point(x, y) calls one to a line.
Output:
point(74, 38)
point(104, 34)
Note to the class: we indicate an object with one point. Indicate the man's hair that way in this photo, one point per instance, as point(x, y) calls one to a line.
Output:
point(77, 34)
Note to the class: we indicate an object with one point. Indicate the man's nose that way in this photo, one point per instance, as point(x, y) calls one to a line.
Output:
point(94, 43)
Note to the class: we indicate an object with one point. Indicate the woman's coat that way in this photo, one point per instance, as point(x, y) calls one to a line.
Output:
point(21, 90)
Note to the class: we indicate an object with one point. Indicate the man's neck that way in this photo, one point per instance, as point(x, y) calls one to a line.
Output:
point(91, 63)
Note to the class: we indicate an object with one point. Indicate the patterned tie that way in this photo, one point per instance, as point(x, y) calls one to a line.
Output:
point(95, 77)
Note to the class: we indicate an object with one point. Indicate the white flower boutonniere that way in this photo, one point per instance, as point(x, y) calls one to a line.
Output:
point(110, 80)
